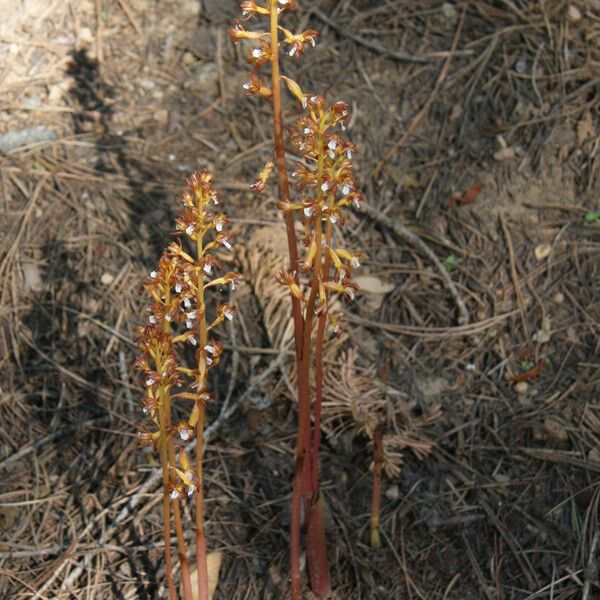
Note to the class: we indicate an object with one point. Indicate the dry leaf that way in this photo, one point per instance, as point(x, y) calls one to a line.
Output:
point(213, 564)
point(594, 455)
point(585, 128)
point(373, 285)
point(470, 195)
point(375, 290)
point(32, 276)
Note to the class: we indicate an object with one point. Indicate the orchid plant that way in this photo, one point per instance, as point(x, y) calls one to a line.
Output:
point(178, 317)
point(319, 273)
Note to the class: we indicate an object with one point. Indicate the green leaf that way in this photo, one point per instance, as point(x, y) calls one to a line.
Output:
point(593, 218)
point(450, 262)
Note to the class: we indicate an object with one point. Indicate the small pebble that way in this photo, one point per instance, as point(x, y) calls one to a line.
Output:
point(542, 251)
point(393, 492)
point(504, 154)
point(574, 14)
point(521, 387)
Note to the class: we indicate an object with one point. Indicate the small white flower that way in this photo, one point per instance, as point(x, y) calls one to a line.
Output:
point(187, 302)
point(356, 203)
point(257, 52)
point(178, 288)
point(191, 489)
point(332, 145)
point(184, 434)
point(190, 229)
point(229, 314)
point(174, 494)
point(154, 274)
point(189, 324)
point(168, 318)
point(313, 98)
point(346, 189)
point(349, 153)
point(192, 314)
point(171, 157)
point(145, 410)
point(246, 85)
point(209, 361)
point(343, 127)
point(308, 211)
point(331, 154)
point(207, 268)
point(150, 381)
point(233, 284)
point(215, 198)
point(152, 319)
point(192, 340)
point(293, 50)
point(226, 243)
point(355, 262)
point(324, 186)
point(210, 348)
point(350, 293)
point(219, 226)
point(306, 130)
point(333, 219)
point(337, 329)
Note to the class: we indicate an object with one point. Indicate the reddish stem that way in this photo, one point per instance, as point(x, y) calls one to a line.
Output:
point(316, 549)
point(376, 496)
point(302, 383)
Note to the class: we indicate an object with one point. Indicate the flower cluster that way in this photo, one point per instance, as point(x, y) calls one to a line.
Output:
point(323, 175)
point(177, 316)
point(325, 181)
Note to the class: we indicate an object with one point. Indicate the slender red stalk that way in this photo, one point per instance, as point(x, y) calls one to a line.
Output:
point(376, 497)
point(282, 174)
point(201, 549)
point(302, 464)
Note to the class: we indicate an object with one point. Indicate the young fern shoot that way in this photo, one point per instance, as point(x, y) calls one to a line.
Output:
point(178, 318)
point(320, 273)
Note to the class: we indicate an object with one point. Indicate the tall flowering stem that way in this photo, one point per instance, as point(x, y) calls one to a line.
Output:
point(178, 318)
point(320, 273)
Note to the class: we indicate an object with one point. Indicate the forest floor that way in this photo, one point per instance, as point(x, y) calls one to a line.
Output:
point(489, 153)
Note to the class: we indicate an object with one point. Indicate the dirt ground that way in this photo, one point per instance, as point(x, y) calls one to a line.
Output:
point(490, 154)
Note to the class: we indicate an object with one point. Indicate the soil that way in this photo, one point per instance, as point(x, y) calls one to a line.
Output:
point(490, 154)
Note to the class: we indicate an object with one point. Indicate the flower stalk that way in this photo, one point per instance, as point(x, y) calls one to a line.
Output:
point(378, 457)
point(178, 319)
point(320, 273)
